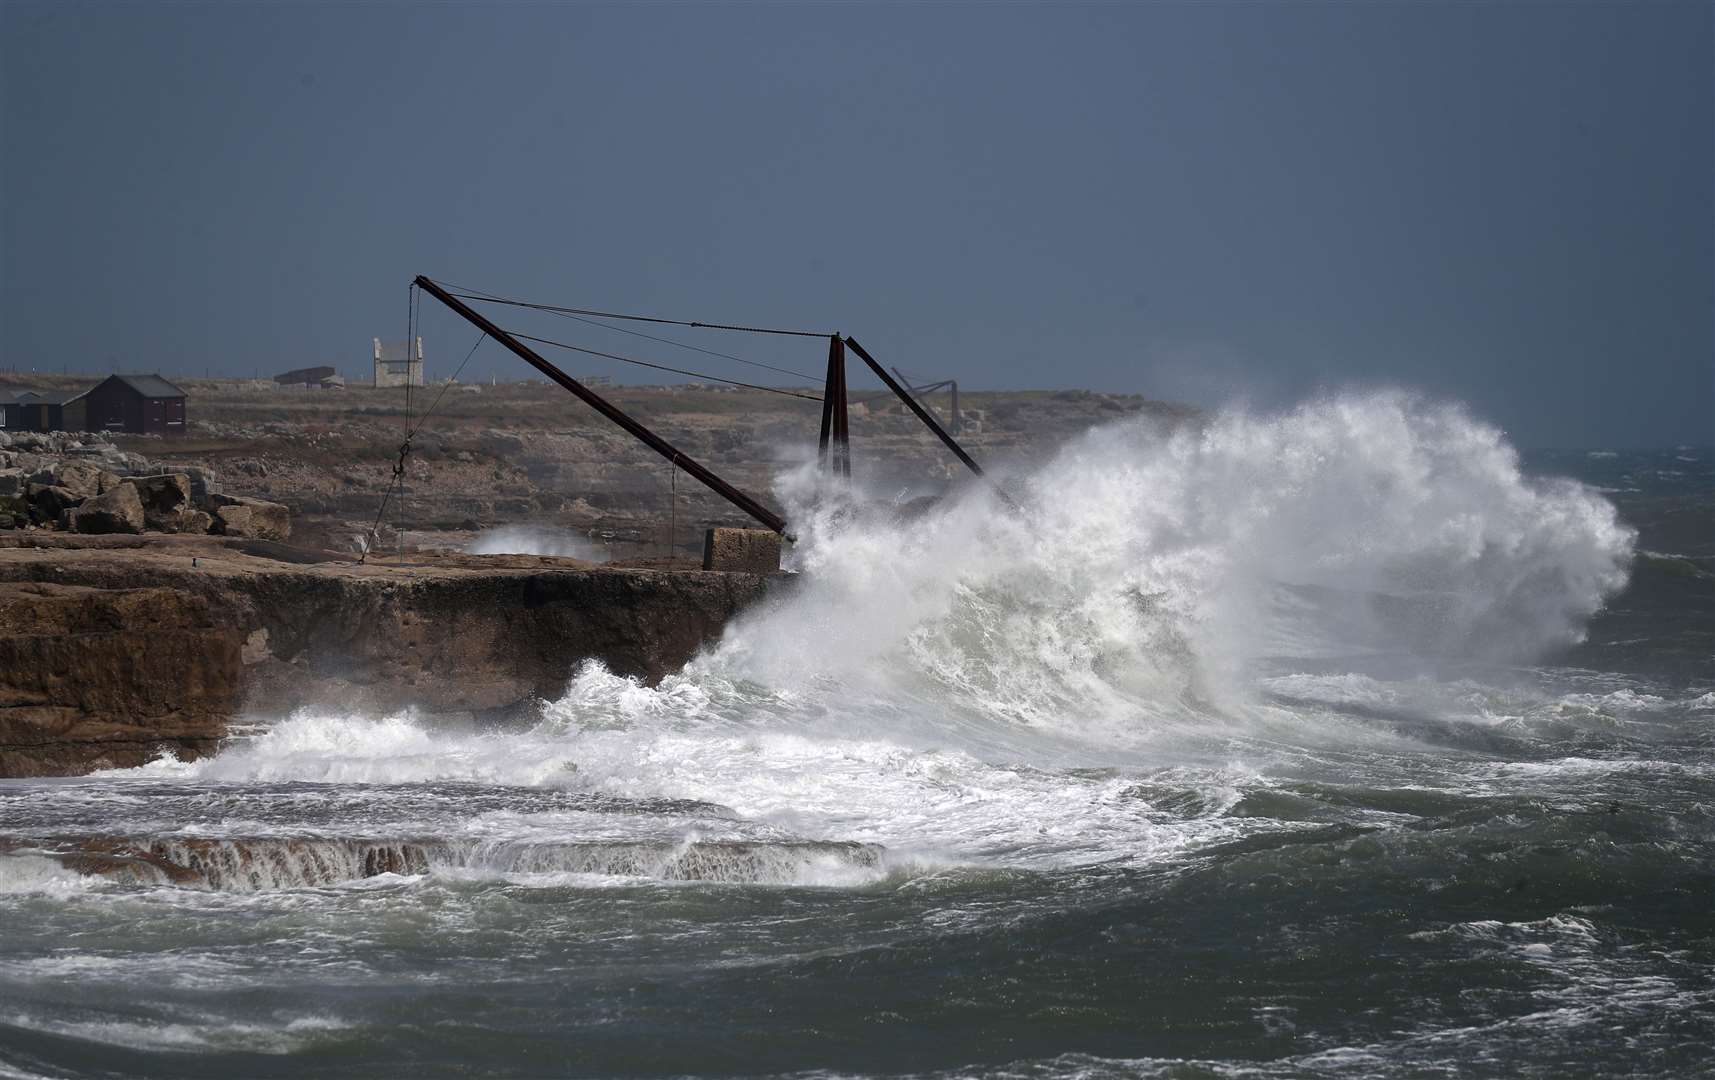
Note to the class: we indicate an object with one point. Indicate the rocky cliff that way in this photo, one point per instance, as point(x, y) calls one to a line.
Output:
point(112, 649)
point(95, 678)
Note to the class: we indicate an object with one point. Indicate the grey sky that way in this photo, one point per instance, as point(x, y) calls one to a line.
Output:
point(1509, 204)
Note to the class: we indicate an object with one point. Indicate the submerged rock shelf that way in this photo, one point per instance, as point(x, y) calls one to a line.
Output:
point(264, 863)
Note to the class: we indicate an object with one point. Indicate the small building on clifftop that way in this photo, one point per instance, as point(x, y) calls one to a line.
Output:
point(143, 404)
point(398, 363)
point(31, 410)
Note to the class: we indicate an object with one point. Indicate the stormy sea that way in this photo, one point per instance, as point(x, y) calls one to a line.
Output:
point(1338, 741)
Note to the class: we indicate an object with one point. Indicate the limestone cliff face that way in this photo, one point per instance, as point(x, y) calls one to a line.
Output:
point(102, 678)
point(110, 654)
point(475, 642)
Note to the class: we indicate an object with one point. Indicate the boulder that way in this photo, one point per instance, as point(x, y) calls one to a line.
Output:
point(166, 501)
point(12, 481)
point(83, 480)
point(188, 520)
point(164, 494)
point(127, 464)
point(257, 519)
point(48, 500)
point(14, 511)
point(105, 456)
point(117, 511)
point(204, 482)
point(196, 521)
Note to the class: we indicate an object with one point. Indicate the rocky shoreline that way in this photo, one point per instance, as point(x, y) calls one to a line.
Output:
point(145, 605)
point(114, 649)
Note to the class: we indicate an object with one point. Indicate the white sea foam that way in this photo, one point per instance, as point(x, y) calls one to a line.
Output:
point(187, 971)
point(1151, 561)
point(212, 1034)
point(29, 873)
point(332, 748)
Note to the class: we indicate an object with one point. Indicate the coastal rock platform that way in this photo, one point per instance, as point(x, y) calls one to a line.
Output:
point(115, 648)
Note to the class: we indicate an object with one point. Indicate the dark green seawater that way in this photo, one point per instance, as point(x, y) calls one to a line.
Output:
point(1342, 744)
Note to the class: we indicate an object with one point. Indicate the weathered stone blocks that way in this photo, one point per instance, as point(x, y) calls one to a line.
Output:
point(257, 519)
point(745, 551)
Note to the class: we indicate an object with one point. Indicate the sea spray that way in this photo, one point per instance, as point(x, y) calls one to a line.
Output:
point(524, 540)
point(1158, 594)
point(1152, 565)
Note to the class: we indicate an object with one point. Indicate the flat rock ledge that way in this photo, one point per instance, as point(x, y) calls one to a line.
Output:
point(114, 649)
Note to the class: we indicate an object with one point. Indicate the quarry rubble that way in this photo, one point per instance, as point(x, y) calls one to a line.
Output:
point(83, 483)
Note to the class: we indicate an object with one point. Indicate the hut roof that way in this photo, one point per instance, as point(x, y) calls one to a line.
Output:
point(150, 385)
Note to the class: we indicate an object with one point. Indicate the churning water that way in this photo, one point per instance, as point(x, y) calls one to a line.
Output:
point(1332, 743)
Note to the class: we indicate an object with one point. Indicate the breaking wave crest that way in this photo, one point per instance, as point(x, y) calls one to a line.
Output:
point(1153, 568)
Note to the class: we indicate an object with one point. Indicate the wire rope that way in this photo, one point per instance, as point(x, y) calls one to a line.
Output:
point(660, 367)
point(469, 293)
